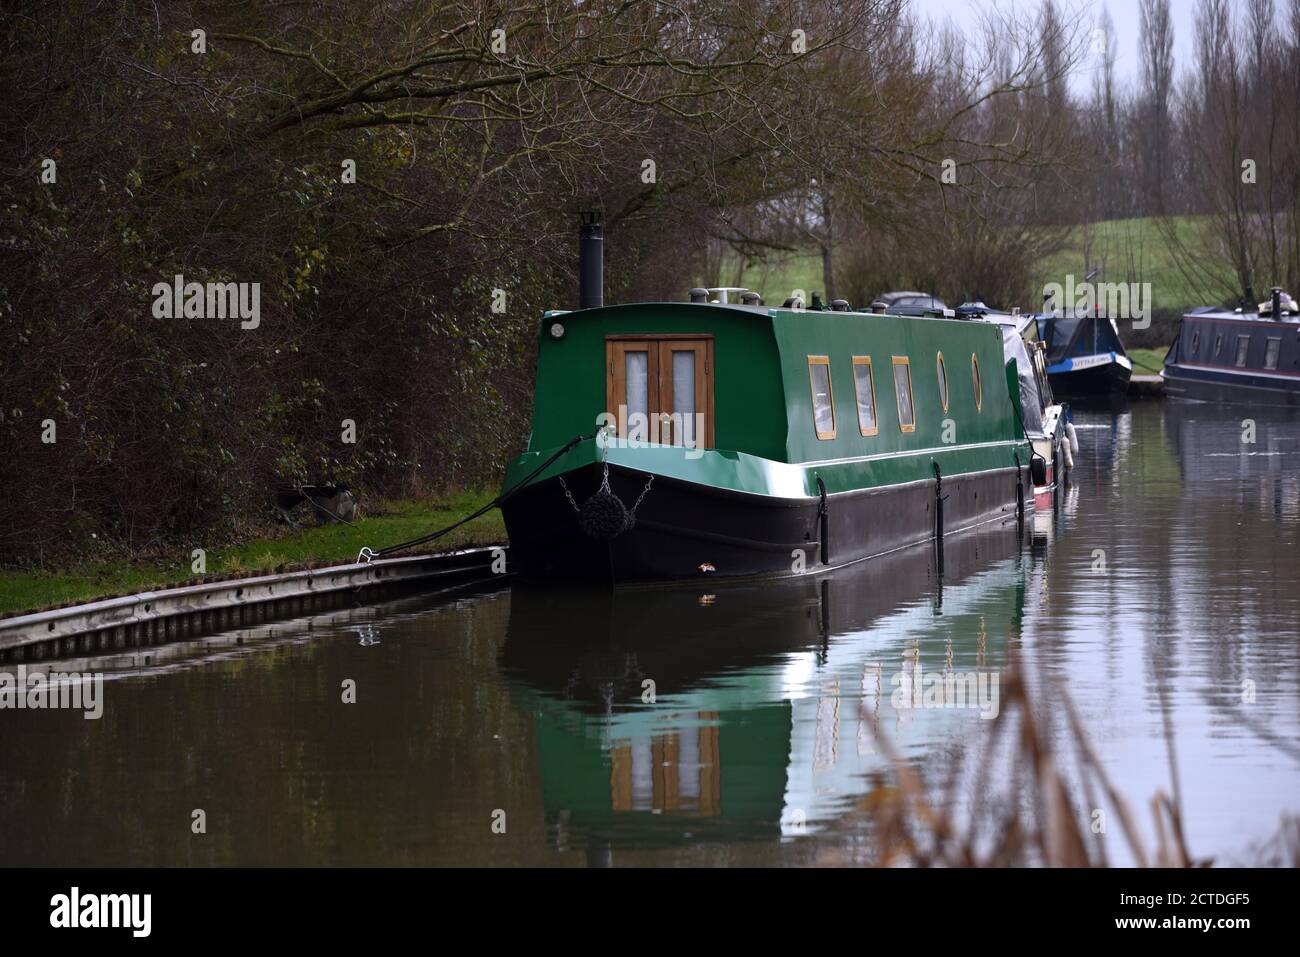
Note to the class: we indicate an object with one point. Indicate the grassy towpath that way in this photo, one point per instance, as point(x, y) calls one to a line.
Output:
point(391, 522)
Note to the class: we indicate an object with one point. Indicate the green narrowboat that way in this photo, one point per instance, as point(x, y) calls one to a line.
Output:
point(674, 440)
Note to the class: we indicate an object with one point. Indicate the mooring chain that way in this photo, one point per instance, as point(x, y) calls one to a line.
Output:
point(648, 482)
point(567, 494)
point(604, 484)
point(604, 479)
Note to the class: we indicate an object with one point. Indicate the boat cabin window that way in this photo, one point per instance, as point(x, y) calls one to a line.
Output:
point(864, 382)
point(819, 375)
point(1243, 347)
point(1271, 352)
point(1218, 344)
point(975, 380)
point(660, 388)
point(903, 393)
point(942, 371)
point(1196, 342)
point(636, 367)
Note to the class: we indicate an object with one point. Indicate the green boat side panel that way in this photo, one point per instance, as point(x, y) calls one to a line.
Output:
point(764, 439)
point(841, 336)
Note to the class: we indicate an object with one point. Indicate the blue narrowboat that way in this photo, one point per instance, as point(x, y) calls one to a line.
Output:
point(1085, 358)
point(1241, 355)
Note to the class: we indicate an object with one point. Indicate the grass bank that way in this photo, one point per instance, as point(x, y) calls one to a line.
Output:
point(387, 524)
point(1147, 361)
point(1130, 250)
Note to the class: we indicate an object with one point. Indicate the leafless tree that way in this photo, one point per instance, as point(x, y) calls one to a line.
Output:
point(1157, 58)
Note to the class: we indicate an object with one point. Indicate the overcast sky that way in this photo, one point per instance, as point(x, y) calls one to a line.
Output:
point(965, 13)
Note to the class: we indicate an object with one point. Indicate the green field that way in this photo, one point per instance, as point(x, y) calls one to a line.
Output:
point(777, 277)
point(1125, 250)
point(332, 544)
point(1131, 250)
point(1147, 361)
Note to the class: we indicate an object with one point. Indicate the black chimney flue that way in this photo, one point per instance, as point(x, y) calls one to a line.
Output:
point(591, 262)
point(1276, 303)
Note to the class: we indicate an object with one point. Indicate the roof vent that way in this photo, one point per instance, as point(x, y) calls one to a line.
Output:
point(971, 310)
point(840, 305)
point(794, 302)
point(699, 294)
point(748, 298)
point(726, 294)
point(1279, 304)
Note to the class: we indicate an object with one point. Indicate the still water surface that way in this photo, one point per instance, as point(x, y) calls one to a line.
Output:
point(1159, 594)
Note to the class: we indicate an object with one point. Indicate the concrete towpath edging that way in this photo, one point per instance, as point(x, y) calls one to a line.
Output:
point(189, 609)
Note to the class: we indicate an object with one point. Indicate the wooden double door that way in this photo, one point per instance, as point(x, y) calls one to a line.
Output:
point(665, 382)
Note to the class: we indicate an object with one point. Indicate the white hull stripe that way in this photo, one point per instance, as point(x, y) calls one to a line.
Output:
point(1090, 362)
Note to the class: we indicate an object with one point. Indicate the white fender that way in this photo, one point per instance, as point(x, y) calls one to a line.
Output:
point(1074, 437)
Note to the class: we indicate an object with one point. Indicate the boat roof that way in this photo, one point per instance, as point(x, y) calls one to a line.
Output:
point(893, 298)
point(1072, 313)
point(765, 311)
point(1239, 315)
point(1017, 322)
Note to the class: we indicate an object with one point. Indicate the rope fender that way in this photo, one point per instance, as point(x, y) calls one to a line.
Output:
point(603, 516)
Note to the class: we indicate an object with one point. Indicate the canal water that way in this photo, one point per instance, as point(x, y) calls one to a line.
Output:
point(732, 724)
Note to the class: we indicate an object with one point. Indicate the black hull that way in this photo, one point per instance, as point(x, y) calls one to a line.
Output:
point(596, 647)
point(688, 531)
point(1209, 386)
point(1099, 382)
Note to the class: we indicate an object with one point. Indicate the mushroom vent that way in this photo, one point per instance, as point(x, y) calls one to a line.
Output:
point(1279, 305)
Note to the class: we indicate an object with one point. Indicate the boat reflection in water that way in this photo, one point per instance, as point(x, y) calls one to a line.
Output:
point(1256, 444)
point(1253, 456)
point(675, 714)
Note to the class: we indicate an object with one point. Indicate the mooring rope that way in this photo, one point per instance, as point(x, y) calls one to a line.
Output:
point(367, 554)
